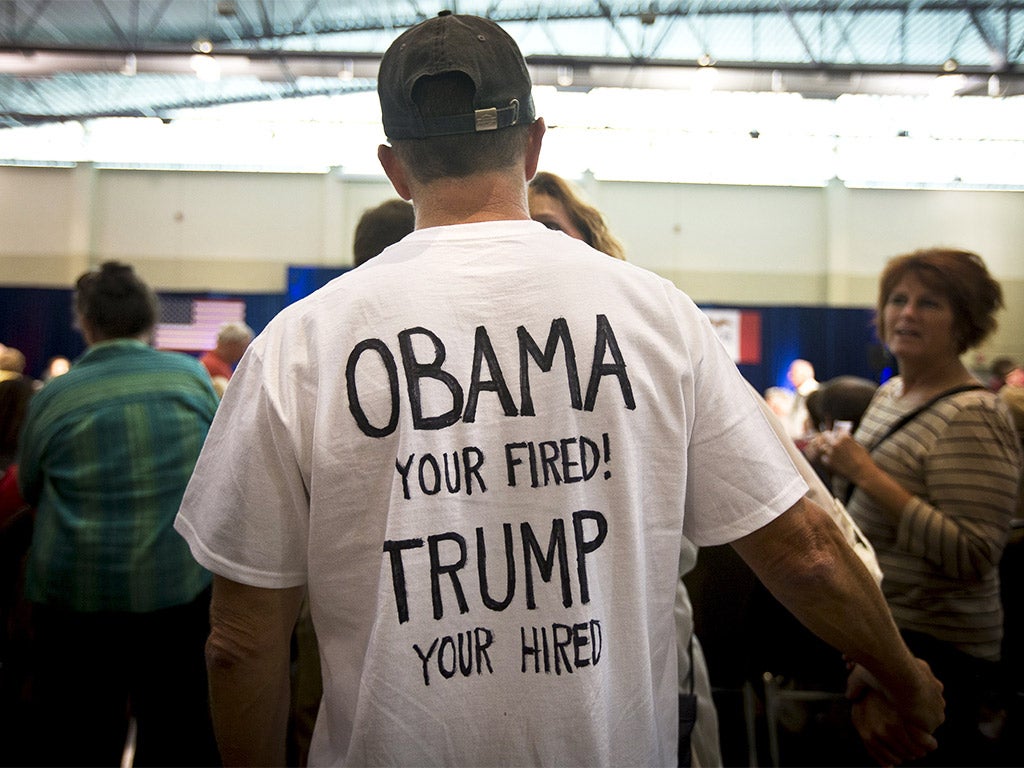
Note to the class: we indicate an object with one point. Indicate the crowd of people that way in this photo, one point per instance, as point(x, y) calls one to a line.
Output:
point(440, 511)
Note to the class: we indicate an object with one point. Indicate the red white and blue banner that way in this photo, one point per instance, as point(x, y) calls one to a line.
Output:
point(740, 332)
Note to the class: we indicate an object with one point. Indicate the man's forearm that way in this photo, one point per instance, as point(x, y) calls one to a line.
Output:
point(248, 665)
point(803, 560)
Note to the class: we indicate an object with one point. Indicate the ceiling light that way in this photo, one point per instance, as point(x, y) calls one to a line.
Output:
point(994, 86)
point(564, 76)
point(202, 45)
point(947, 85)
point(206, 68)
point(347, 70)
point(704, 79)
point(705, 60)
point(950, 65)
point(131, 65)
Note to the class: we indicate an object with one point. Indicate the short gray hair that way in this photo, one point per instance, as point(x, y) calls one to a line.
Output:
point(234, 331)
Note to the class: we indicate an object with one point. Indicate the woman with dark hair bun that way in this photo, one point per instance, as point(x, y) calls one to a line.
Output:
point(932, 475)
point(115, 303)
point(120, 607)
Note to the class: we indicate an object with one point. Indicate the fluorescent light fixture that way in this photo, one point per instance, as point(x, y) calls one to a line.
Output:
point(206, 67)
point(948, 85)
point(673, 135)
point(704, 79)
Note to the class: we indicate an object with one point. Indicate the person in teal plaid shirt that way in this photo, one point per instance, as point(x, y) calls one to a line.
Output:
point(119, 605)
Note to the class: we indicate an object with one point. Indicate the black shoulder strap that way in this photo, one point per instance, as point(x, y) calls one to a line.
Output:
point(909, 417)
point(906, 419)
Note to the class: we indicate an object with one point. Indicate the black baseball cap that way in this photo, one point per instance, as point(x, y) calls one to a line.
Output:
point(474, 46)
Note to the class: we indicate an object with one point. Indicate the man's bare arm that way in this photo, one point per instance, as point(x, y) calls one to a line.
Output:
point(247, 658)
point(803, 560)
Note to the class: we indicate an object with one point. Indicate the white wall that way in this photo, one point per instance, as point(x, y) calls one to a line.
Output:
point(725, 244)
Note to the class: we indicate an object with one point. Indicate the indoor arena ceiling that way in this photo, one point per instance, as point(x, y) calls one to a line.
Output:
point(79, 59)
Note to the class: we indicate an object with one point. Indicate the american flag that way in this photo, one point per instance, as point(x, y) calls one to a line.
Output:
point(191, 325)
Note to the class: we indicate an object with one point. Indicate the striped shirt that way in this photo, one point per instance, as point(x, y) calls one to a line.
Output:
point(961, 461)
point(106, 453)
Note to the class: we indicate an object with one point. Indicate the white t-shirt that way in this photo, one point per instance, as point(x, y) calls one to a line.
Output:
point(479, 451)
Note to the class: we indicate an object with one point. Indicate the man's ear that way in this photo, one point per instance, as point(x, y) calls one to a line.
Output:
point(395, 172)
point(535, 137)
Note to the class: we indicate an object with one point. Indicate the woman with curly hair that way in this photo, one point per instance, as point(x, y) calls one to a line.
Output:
point(932, 474)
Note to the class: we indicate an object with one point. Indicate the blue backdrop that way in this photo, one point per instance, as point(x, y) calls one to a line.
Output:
point(39, 322)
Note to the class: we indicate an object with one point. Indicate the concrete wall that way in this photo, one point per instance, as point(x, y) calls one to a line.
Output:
point(237, 232)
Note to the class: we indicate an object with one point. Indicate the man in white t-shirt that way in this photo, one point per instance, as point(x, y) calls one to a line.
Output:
point(478, 452)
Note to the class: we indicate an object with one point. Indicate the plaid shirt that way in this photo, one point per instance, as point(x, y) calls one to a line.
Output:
point(105, 455)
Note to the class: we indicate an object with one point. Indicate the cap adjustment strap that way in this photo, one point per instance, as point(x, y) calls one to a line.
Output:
point(489, 119)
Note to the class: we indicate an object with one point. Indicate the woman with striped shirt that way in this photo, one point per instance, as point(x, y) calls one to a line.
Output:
point(932, 476)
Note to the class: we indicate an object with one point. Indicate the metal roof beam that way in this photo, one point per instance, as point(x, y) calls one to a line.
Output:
point(790, 17)
point(609, 16)
point(112, 22)
point(844, 34)
point(386, 18)
point(998, 52)
point(666, 29)
point(32, 20)
point(302, 19)
point(156, 18)
point(265, 23)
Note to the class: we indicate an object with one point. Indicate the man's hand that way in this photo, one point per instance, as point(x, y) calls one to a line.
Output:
point(843, 455)
point(896, 729)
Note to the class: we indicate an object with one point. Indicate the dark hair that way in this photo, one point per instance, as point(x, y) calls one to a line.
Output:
point(1002, 366)
point(14, 396)
point(961, 277)
point(382, 226)
point(115, 301)
point(815, 414)
point(462, 155)
point(844, 398)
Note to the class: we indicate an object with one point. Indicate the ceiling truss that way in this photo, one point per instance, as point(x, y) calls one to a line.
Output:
point(80, 59)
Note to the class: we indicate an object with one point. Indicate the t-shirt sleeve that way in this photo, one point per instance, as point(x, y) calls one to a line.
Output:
point(245, 514)
point(740, 476)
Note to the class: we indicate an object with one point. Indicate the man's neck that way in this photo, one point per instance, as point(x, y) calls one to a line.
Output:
point(497, 196)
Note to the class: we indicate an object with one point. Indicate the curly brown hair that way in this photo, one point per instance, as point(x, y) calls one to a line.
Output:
point(961, 277)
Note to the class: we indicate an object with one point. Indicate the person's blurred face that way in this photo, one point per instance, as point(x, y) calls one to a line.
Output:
point(799, 372)
point(919, 322)
point(552, 214)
